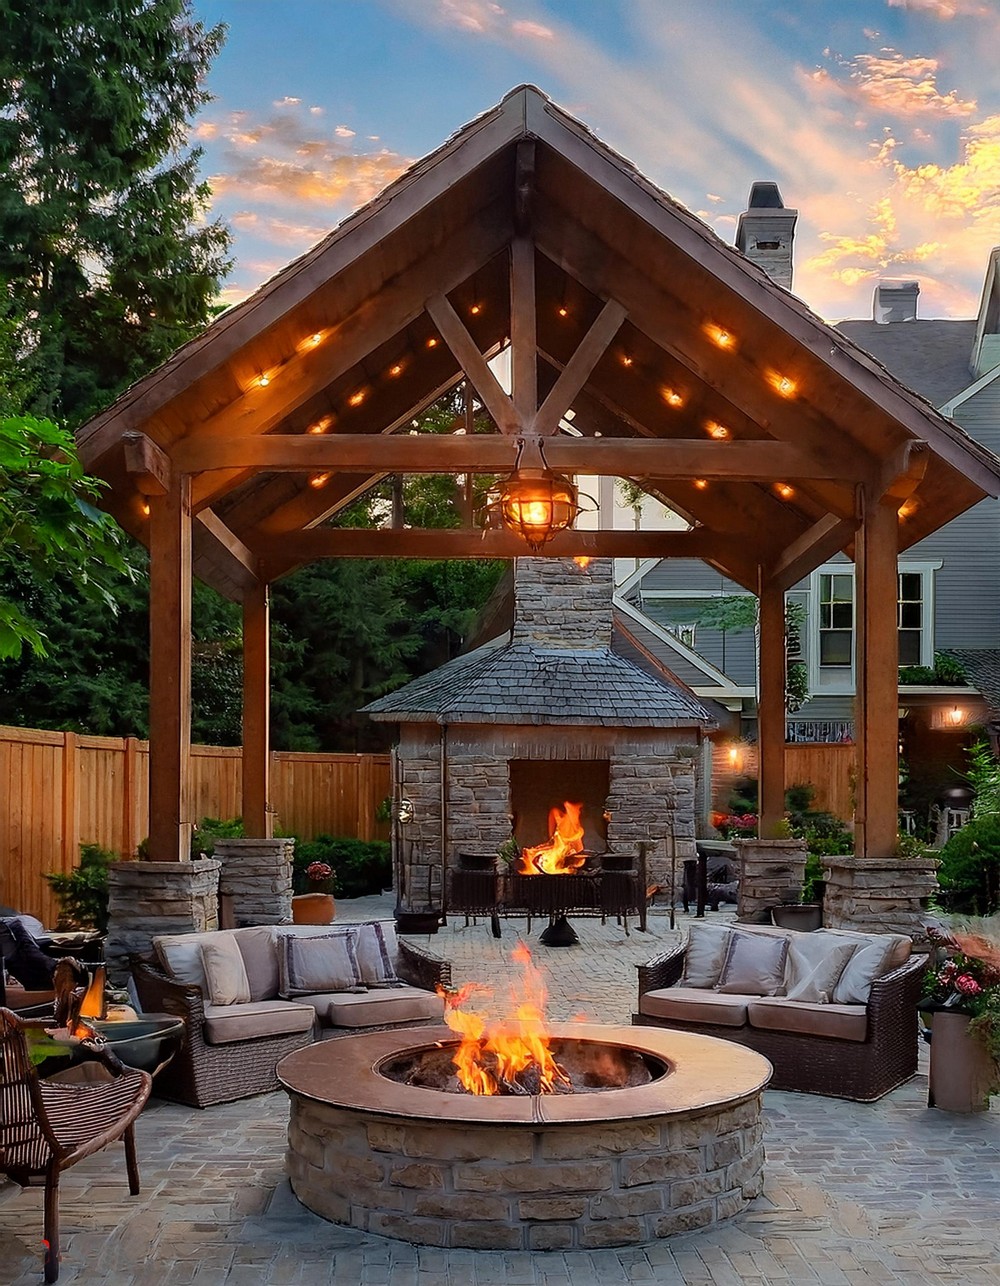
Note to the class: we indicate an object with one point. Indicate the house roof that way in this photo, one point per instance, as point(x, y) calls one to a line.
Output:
point(627, 311)
point(518, 683)
point(931, 357)
point(982, 668)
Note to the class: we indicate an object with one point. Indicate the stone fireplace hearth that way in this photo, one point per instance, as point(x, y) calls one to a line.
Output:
point(550, 712)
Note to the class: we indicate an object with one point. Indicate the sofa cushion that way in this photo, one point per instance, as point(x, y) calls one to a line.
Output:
point(705, 955)
point(321, 962)
point(227, 1023)
point(225, 973)
point(876, 954)
point(695, 1005)
point(259, 948)
point(180, 955)
point(814, 966)
point(376, 952)
point(840, 1022)
point(377, 1008)
point(754, 964)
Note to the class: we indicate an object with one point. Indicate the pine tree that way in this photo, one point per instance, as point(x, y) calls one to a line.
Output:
point(103, 246)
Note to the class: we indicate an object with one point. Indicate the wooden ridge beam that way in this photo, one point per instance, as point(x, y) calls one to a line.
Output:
point(738, 460)
point(384, 542)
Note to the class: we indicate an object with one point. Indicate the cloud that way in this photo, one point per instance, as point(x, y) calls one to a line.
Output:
point(533, 30)
point(278, 231)
point(343, 132)
point(893, 83)
point(944, 9)
point(483, 18)
point(287, 102)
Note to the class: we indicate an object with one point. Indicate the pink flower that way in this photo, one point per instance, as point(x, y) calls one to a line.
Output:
point(967, 985)
point(319, 871)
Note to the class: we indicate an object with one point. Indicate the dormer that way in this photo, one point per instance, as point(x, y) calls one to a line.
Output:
point(986, 349)
point(765, 232)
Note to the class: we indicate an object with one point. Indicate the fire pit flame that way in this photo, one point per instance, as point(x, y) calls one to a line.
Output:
point(509, 1056)
point(563, 853)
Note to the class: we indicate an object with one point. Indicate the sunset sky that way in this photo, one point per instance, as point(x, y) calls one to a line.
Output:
point(879, 119)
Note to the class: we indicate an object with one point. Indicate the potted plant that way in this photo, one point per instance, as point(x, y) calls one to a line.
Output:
point(316, 906)
point(961, 1009)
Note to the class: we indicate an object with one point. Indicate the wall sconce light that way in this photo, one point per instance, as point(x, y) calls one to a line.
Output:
point(404, 811)
point(956, 716)
point(735, 756)
point(535, 503)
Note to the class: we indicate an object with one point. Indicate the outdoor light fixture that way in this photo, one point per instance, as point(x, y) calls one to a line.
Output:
point(404, 811)
point(535, 503)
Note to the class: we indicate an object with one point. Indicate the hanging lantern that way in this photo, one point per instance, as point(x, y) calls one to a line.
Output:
point(534, 502)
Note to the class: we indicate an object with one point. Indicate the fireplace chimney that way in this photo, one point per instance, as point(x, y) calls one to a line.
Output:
point(558, 604)
point(895, 301)
point(765, 233)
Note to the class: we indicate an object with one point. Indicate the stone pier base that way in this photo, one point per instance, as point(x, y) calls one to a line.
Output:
point(769, 868)
point(257, 876)
point(879, 894)
point(149, 898)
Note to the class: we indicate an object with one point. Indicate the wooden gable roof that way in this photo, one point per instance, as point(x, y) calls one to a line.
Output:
point(684, 366)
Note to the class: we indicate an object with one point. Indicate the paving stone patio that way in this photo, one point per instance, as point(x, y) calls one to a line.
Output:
point(854, 1193)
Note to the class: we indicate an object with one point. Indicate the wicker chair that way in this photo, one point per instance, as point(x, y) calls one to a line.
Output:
point(47, 1125)
point(859, 1070)
point(202, 1075)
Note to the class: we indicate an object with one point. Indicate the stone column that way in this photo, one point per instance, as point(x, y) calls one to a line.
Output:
point(150, 898)
point(257, 875)
point(879, 894)
point(769, 868)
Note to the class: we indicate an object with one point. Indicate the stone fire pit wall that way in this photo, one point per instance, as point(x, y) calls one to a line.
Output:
point(504, 1188)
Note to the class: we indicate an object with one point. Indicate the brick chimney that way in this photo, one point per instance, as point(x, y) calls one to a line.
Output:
point(895, 301)
point(765, 233)
point(560, 605)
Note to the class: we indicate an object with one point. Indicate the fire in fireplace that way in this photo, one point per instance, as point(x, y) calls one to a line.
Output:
point(563, 852)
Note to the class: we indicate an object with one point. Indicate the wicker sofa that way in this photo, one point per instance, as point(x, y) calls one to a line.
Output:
point(856, 1039)
point(287, 995)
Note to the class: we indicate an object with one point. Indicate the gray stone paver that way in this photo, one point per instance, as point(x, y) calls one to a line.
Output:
point(855, 1194)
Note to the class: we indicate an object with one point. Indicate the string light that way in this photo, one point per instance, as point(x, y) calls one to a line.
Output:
point(476, 309)
point(145, 508)
point(357, 398)
point(720, 336)
point(432, 342)
point(784, 490)
point(781, 383)
point(562, 310)
point(627, 359)
point(322, 425)
point(319, 480)
point(396, 370)
point(716, 430)
point(263, 380)
point(701, 484)
point(672, 397)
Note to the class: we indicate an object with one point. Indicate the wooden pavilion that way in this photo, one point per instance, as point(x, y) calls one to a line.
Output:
point(641, 346)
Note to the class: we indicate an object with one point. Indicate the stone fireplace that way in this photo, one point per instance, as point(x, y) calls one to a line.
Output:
point(549, 712)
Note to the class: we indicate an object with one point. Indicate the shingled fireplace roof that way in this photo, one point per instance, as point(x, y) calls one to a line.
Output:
point(557, 666)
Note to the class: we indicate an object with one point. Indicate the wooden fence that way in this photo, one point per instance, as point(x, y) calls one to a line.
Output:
point(60, 789)
point(828, 767)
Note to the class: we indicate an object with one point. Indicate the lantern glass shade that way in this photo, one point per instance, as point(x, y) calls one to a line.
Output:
point(536, 504)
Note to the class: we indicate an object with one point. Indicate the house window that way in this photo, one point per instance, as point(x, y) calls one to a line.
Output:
point(911, 618)
point(684, 633)
point(836, 619)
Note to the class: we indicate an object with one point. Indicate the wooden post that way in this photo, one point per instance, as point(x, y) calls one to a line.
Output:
point(70, 802)
point(130, 803)
point(257, 816)
point(170, 672)
point(771, 711)
point(877, 678)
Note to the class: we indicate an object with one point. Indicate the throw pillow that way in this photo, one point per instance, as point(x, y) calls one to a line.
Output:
point(225, 972)
point(320, 963)
point(705, 955)
point(374, 958)
point(813, 970)
point(754, 965)
point(870, 960)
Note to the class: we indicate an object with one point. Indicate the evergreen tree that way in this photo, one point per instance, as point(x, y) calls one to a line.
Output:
point(101, 240)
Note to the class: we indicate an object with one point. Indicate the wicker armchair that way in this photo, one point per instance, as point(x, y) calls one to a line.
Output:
point(202, 1075)
point(859, 1070)
point(47, 1125)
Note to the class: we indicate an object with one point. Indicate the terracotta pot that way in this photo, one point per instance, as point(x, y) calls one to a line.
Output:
point(313, 908)
point(962, 1072)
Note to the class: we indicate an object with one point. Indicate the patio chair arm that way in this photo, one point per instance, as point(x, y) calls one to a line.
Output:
point(421, 968)
point(159, 993)
point(662, 971)
point(898, 990)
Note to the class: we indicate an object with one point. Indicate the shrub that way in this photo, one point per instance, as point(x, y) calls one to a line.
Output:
point(360, 867)
point(83, 892)
point(209, 829)
point(969, 870)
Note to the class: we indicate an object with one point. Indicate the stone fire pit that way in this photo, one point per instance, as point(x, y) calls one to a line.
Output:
point(614, 1167)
